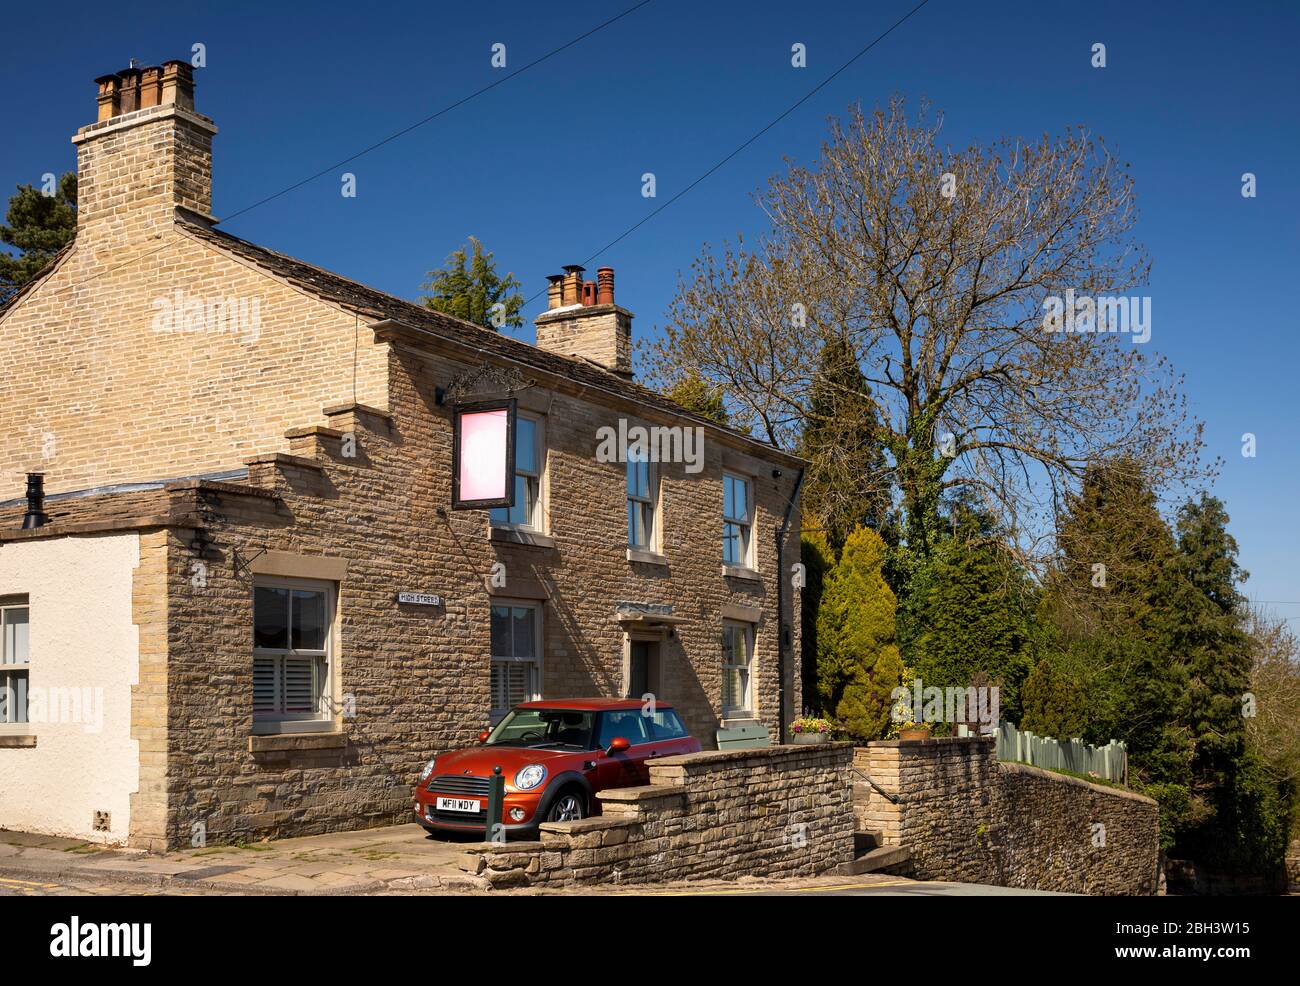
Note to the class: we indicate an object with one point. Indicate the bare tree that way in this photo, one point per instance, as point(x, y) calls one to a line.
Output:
point(1273, 726)
point(937, 266)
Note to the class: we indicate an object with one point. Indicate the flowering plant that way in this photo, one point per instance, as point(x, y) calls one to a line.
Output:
point(807, 724)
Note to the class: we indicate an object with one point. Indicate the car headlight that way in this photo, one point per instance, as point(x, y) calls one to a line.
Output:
point(529, 777)
point(428, 768)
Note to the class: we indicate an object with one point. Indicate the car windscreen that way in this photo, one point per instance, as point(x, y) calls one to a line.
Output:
point(560, 729)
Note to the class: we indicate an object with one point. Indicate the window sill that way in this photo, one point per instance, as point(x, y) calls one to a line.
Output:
point(296, 742)
point(511, 535)
point(646, 557)
point(740, 572)
point(14, 741)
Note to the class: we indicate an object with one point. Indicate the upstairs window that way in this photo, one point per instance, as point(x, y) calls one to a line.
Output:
point(640, 502)
point(530, 456)
point(737, 520)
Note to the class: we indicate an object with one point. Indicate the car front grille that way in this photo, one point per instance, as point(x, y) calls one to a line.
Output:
point(460, 784)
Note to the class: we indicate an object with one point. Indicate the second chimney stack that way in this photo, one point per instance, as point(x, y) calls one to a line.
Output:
point(582, 320)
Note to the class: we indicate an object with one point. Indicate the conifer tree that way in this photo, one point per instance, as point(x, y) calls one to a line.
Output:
point(468, 286)
point(858, 664)
point(38, 226)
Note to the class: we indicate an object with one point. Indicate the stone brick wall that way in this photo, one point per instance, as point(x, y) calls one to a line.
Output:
point(1048, 835)
point(966, 816)
point(99, 391)
point(778, 812)
point(945, 791)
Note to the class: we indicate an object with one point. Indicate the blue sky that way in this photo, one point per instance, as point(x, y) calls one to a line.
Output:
point(546, 168)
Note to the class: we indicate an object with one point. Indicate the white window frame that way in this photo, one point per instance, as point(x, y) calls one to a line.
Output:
point(746, 524)
point(646, 507)
point(10, 671)
point(322, 680)
point(746, 708)
point(536, 660)
point(534, 482)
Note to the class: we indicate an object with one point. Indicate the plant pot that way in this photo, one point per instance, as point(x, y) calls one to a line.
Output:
point(915, 733)
point(809, 739)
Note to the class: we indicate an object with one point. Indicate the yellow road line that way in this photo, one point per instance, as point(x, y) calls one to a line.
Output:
point(29, 883)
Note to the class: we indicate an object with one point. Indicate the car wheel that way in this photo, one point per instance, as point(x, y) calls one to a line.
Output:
point(568, 807)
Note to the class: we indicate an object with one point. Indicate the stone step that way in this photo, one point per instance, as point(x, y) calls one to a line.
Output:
point(894, 860)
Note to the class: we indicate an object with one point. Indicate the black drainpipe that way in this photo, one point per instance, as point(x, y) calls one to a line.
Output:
point(35, 516)
point(783, 637)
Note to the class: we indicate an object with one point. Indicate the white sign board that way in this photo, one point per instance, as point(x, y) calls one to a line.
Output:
point(419, 599)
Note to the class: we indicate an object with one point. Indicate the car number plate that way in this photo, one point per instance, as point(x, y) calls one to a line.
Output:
point(459, 804)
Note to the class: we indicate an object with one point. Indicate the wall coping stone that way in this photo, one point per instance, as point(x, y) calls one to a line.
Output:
point(648, 792)
point(336, 409)
point(933, 741)
point(776, 752)
point(1015, 767)
point(313, 430)
point(285, 459)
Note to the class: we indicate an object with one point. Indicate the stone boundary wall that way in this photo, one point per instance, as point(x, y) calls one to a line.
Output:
point(966, 816)
point(781, 811)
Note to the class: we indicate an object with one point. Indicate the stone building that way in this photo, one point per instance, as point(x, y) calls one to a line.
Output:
point(247, 607)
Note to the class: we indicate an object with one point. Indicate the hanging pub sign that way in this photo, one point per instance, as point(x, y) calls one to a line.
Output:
point(483, 455)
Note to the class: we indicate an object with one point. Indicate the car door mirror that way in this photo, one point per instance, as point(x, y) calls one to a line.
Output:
point(483, 736)
point(619, 744)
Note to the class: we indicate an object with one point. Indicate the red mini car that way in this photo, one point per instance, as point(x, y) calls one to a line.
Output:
point(555, 757)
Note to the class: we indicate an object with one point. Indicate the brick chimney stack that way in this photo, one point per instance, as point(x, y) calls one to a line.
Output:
point(147, 154)
point(581, 319)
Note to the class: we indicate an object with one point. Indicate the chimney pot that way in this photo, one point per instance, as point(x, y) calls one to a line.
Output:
point(605, 286)
point(150, 86)
point(554, 290)
point(109, 105)
point(178, 84)
point(130, 89)
point(572, 294)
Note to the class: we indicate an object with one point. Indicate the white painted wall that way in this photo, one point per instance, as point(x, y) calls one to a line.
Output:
point(82, 637)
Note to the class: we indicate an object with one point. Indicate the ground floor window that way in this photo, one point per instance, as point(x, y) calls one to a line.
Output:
point(737, 668)
point(15, 660)
point(516, 656)
point(291, 654)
